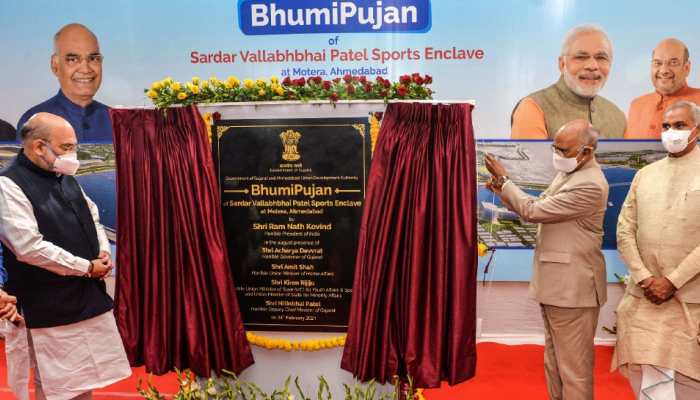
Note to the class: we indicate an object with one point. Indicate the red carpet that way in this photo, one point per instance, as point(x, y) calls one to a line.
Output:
point(503, 372)
point(517, 372)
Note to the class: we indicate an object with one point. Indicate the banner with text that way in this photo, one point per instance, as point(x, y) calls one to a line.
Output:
point(494, 52)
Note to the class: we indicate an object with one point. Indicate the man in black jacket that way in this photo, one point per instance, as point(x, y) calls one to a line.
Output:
point(56, 253)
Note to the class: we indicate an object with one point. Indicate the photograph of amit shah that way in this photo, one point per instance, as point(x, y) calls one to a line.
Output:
point(670, 67)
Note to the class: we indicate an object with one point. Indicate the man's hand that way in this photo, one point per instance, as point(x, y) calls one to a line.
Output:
point(8, 307)
point(645, 283)
point(492, 185)
point(494, 166)
point(106, 258)
point(100, 268)
point(657, 290)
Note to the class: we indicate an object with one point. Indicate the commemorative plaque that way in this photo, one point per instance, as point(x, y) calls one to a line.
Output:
point(292, 194)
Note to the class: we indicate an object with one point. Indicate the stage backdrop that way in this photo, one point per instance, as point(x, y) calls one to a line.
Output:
point(492, 52)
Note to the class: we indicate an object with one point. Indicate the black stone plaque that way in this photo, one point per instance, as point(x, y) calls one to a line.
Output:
point(292, 192)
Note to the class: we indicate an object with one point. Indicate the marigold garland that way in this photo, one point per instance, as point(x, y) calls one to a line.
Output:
point(167, 92)
point(208, 121)
point(295, 345)
point(482, 249)
point(374, 125)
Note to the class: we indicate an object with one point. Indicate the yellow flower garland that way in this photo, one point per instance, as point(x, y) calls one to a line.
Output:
point(305, 345)
point(373, 130)
point(208, 121)
point(295, 345)
point(166, 92)
point(482, 249)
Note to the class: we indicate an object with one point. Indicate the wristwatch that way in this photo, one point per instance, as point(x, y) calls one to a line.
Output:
point(500, 181)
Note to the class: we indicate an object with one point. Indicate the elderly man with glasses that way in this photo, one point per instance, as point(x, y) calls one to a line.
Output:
point(568, 278)
point(585, 62)
point(670, 67)
point(77, 63)
point(657, 236)
point(57, 254)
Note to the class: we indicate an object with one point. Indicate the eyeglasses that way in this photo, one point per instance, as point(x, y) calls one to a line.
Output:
point(583, 57)
point(557, 150)
point(562, 152)
point(75, 59)
point(67, 147)
point(672, 63)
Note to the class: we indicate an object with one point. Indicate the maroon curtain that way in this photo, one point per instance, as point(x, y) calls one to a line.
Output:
point(176, 303)
point(414, 295)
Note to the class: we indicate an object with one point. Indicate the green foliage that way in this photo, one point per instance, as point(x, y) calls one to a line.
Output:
point(229, 386)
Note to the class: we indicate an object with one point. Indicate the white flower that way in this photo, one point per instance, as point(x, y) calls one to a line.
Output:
point(212, 390)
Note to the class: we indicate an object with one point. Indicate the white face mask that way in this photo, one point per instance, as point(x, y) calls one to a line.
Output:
point(675, 141)
point(564, 164)
point(66, 164)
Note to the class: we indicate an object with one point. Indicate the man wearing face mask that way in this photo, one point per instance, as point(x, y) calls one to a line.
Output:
point(657, 237)
point(568, 278)
point(56, 254)
point(584, 62)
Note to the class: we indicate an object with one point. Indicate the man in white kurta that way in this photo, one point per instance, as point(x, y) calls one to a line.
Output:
point(70, 334)
point(658, 237)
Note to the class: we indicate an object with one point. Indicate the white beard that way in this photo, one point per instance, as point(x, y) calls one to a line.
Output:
point(588, 92)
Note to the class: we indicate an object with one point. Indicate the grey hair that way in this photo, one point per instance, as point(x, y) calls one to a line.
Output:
point(581, 29)
point(58, 34)
point(34, 129)
point(689, 105)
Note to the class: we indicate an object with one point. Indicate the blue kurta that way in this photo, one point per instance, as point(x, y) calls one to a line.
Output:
point(91, 123)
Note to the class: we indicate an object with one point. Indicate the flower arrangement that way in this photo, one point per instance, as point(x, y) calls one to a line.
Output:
point(167, 92)
point(228, 386)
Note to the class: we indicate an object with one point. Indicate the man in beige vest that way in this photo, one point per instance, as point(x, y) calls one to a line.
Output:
point(568, 278)
point(657, 237)
point(585, 62)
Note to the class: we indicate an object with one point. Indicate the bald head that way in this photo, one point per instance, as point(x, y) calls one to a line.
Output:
point(672, 45)
point(45, 137)
point(578, 132)
point(670, 66)
point(577, 140)
point(43, 125)
point(73, 32)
